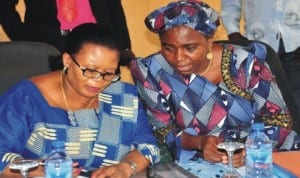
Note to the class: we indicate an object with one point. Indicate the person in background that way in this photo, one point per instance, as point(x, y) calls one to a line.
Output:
point(195, 91)
point(51, 21)
point(274, 22)
point(100, 118)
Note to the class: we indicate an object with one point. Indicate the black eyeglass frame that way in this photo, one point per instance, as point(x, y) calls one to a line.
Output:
point(114, 77)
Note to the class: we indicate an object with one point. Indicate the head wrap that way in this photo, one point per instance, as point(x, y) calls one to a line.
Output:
point(192, 13)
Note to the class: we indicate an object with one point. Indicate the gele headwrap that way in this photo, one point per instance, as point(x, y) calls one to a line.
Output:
point(192, 13)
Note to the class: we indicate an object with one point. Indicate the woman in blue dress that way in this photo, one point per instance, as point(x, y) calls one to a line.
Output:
point(100, 118)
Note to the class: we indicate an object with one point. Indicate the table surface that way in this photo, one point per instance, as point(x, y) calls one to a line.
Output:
point(286, 164)
point(289, 161)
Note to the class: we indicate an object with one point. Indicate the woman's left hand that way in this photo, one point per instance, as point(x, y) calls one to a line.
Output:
point(121, 170)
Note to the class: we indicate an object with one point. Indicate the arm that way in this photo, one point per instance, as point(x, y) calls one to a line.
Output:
point(158, 109)
point(182, 142)
point(15, 121)
point(262, 84)
point(231, 12)
point(207, 145)
point(131, 164)
point(271, 107)
point(144, 151)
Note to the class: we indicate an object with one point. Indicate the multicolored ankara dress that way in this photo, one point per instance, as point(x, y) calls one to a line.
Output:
point(28, 125)
point(248, 91)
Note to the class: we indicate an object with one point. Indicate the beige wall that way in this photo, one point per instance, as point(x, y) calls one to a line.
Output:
point(143, 41)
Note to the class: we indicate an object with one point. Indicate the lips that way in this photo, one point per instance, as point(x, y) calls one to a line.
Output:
point(184, 69)
point(94, 90)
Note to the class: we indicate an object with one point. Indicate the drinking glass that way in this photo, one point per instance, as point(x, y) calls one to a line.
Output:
point(230, 147)
point(23, 165)
point(234, 137)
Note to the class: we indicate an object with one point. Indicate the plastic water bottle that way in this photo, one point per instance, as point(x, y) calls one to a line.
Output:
point(258, 153)
point(58, 164)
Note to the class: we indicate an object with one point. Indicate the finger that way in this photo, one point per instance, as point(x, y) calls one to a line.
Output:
point(213, 156)
point(76, 171)
point(110, 171)
point(239, 160)
point(75, 164)
point(99, 173)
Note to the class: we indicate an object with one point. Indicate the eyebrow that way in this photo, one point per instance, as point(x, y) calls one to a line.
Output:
point(184, 45)
point(106, 71)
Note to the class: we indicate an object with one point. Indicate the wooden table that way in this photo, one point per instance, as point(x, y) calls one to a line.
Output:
point(289, 160)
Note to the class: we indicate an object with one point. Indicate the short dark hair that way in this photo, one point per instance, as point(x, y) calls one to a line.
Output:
point(91, 33)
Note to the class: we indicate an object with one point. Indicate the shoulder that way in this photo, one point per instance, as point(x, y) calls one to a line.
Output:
point(120, 94)
point(23, 86)
point(22, 90)
point(149, 60)
point(257, 49)
point(244, 52)
point(153, 64)
point(49, 86)
point(241, 64)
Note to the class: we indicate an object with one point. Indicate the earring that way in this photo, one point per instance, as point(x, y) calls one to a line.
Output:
point(65, 69)
point(209, 55)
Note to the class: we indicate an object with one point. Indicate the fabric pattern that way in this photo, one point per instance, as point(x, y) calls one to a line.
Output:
point(265, 20)
point(192, 13)
point(102, 136)
point(201, 107)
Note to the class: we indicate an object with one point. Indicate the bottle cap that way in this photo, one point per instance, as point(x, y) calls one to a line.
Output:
point(258, 126)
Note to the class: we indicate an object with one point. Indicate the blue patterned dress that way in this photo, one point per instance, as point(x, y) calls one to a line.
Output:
point(100, 137)
point(200, 107)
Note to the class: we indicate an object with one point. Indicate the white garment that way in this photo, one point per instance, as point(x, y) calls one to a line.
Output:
point(265, 20)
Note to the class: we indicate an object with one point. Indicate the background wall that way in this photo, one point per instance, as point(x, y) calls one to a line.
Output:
point(143, 41)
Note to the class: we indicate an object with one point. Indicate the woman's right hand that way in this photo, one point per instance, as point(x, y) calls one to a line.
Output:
point(210, 150)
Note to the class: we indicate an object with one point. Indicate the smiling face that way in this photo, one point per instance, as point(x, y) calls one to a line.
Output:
point(94, 57)
point(185, 49)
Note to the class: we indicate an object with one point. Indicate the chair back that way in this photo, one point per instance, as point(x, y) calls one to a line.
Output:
point(23, 59)
point(275, 65)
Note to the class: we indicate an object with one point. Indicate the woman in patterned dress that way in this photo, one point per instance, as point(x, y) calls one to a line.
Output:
point(194, 90)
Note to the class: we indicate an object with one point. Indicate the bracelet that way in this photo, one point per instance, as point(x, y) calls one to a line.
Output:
point(133, 167)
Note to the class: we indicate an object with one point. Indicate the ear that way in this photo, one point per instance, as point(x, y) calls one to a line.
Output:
point(210, 42)
point(66, 59)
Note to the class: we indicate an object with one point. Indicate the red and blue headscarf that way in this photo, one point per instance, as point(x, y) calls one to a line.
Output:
point(192, 13)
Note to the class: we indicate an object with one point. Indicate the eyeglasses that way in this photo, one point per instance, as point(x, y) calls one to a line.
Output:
point(94, 74)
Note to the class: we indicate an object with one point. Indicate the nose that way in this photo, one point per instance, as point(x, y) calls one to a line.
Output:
point(179, 55)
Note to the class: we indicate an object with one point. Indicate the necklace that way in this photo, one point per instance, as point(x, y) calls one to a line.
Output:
point(208, 67)
point(65, 97)
point(71, 114)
